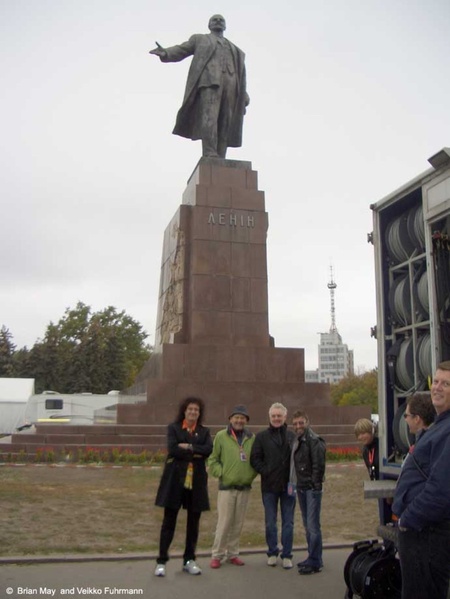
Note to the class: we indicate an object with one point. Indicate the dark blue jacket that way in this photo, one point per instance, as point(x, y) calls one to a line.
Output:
point(422, 496)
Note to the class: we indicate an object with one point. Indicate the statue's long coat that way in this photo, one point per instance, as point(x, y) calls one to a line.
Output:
point(202, 47)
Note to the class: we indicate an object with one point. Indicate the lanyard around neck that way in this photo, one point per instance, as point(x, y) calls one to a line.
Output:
point(233, 434)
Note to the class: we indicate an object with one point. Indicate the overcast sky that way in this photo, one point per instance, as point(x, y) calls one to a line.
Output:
point(349, 99)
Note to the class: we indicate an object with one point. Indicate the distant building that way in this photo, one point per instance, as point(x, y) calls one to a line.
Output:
point(312, 376)
point(335, 359)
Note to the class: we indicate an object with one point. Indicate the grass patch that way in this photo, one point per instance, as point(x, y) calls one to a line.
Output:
point(49, 510)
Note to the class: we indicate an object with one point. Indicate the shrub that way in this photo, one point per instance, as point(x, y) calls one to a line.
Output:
point(45, 454)
point(343, 454)
point(90, 455)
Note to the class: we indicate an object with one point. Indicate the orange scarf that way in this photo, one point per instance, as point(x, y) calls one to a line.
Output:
point(190, 430)
point(190, 468)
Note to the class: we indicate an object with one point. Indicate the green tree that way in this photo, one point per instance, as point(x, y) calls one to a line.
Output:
point(7, 349)
point(21, 362)
point(357, 390)
point(49, 361)
point(89, 352)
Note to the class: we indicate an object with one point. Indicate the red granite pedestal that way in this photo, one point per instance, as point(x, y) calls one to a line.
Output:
point(212, 335)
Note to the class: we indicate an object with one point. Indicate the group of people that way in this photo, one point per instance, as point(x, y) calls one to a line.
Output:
point(290, 463)
point(421, 502)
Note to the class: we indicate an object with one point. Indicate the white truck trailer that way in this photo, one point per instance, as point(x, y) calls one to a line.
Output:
point(411, 239)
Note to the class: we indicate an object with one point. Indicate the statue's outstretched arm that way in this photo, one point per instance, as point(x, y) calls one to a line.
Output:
point(158, 51)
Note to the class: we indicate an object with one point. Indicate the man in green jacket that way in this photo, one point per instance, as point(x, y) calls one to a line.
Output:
point(230, 463)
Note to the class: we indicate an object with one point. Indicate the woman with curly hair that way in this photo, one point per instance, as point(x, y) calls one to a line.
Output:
point(184, 482)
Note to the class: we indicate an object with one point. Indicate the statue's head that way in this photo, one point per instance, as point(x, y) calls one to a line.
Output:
point(217, 23)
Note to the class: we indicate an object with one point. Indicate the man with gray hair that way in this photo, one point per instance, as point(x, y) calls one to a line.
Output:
point(270, 457)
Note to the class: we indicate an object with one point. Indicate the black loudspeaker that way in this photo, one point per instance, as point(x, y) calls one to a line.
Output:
point(372, 571)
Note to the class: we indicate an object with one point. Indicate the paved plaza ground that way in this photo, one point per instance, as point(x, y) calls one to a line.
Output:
point(135, 577)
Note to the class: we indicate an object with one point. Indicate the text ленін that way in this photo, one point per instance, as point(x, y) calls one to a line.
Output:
point(233, 220)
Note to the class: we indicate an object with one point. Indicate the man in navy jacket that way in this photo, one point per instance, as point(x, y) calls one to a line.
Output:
point(422, 502)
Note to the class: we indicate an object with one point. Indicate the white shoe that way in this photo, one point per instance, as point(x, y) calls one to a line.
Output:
point(272, 561)
point(160, 570)
point(192, 567)
point(287, 563)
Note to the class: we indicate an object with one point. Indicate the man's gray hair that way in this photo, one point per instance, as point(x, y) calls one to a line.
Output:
point(278, 406)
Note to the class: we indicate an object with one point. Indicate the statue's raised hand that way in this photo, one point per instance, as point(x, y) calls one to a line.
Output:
point(158, 51)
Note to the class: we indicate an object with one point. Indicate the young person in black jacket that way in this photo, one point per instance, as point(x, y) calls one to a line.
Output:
point(308, 473)
point(366, 434)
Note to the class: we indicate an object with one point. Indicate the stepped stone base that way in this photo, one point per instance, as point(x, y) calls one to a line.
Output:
point(212, 336)
point(164, 396)
point(152, 437)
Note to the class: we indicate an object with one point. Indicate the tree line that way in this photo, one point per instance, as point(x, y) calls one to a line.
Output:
point(84, 351)
point(96, 352)
point(357, 390)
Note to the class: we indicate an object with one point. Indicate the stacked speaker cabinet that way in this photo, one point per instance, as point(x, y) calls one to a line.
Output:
point(411, 238)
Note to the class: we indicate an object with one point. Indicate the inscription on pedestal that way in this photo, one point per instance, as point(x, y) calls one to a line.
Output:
point(232, 220)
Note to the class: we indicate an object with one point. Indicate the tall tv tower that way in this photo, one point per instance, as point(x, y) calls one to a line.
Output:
point(332, 286)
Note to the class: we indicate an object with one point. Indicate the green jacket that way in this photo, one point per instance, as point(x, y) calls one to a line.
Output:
point(225, 462)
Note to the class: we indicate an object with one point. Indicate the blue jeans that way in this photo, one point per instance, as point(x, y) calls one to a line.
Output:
point(287, 506)
point(310, 502)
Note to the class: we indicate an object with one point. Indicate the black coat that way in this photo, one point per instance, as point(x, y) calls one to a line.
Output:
point(371, 459)
point(270, 457)
point(171, 487)
point(205, 72)
point(309, 461)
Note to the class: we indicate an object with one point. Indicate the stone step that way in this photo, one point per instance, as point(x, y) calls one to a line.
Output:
point(161, 429)
point(117, 429)
point(30, 443)
point(31, 449)
point(136, 437)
